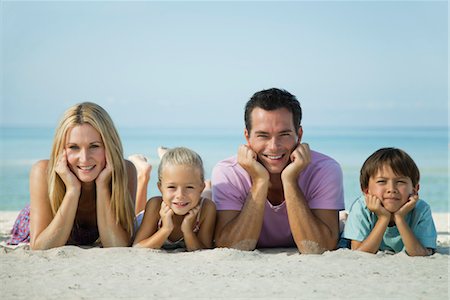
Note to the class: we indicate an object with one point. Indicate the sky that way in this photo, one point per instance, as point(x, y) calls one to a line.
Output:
point(195, 64)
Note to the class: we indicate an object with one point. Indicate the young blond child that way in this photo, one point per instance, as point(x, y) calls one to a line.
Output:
point(181, 217)
point(390, 216)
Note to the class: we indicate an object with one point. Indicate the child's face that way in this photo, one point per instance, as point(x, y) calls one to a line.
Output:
point(393, 190)
point(181, 187)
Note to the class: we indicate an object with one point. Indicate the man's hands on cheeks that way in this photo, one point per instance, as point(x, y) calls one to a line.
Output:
point(247, 158)
point(300, 159)
point(68, 177)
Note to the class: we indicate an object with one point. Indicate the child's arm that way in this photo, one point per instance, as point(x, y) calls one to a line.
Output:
point(148, 235)
point(372, 243)
point(412, 246)
point(204, 238)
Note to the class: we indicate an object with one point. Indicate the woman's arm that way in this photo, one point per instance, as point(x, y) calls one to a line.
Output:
point(48, 231)
point(112, 234)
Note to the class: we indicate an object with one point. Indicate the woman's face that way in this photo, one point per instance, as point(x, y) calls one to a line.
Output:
point(85, 152)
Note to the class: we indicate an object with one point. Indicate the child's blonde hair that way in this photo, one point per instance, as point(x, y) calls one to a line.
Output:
point(181, 156)
point(94, 115)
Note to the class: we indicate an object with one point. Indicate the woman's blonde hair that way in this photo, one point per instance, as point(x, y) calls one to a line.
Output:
point(181, 156)
point(94, 115)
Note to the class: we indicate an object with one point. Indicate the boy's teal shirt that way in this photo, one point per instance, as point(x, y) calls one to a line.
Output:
point(361, 221)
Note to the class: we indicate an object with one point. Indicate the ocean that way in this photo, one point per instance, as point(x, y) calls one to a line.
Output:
point(429, 147)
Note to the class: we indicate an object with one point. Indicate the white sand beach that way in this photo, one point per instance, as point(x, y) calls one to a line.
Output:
point(125, 273)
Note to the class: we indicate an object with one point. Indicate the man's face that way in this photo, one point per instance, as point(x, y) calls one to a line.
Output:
point(273, 137)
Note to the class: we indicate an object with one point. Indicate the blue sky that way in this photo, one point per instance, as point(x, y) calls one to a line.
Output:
point(195, 64)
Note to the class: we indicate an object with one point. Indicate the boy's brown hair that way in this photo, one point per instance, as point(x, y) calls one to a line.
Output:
point(399, 161)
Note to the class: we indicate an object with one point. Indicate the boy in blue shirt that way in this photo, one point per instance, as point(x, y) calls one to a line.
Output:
point(390, 216)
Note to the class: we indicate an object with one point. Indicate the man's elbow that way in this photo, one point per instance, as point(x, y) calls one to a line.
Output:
point(313, 247)
point(244, 245)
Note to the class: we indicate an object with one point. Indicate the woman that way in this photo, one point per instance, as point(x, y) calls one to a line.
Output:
point(85, 192)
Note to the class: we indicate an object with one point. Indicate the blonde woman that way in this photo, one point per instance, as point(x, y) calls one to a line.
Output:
point(85, 192)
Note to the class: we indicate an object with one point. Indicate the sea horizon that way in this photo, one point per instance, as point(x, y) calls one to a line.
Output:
point(21, 146)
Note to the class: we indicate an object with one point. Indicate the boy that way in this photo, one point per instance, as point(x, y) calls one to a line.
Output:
point(390, 216)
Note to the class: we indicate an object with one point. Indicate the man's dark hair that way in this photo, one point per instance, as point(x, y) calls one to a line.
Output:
point(273, 99)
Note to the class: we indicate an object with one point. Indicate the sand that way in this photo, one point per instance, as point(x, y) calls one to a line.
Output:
point(71, 272)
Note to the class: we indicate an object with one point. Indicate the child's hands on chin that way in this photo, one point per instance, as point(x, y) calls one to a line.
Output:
point(407, 207)
point(166, 214)
point(189, 219)
point(63, 170)
point(374, 205)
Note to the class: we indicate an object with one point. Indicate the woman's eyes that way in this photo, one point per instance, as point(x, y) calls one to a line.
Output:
point(75, 147)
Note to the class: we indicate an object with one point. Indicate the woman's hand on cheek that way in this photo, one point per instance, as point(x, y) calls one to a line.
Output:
point(104, 178)
point(67, 176)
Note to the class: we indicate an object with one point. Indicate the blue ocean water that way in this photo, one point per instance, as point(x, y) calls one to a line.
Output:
point(429, 147)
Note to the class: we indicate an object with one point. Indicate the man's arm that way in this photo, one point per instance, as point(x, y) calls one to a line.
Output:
point(241, 229)
point(314, 231)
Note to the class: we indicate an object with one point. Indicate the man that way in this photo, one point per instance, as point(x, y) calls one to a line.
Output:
point(277, 192)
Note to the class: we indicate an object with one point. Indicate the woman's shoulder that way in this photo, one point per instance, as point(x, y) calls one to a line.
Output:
point(39, 167)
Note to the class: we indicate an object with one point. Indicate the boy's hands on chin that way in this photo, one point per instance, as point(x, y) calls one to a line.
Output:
point(300, 159)
point(407, 207)
point(374, 205)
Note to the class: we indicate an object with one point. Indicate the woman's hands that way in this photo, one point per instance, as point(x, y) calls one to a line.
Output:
point(68, 177)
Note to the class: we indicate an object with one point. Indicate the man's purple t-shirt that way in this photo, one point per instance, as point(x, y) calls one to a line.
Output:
point(321, 183)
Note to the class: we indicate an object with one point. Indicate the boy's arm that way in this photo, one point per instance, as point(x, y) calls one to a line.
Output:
point(372, 243)
point(412, 245)
point(204, 238)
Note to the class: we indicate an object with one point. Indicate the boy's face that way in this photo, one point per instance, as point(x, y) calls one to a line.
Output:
point(393, 190)
point(181, 187)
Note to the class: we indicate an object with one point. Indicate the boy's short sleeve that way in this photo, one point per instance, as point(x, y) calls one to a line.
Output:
point(423, 225)
point(359, 223)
